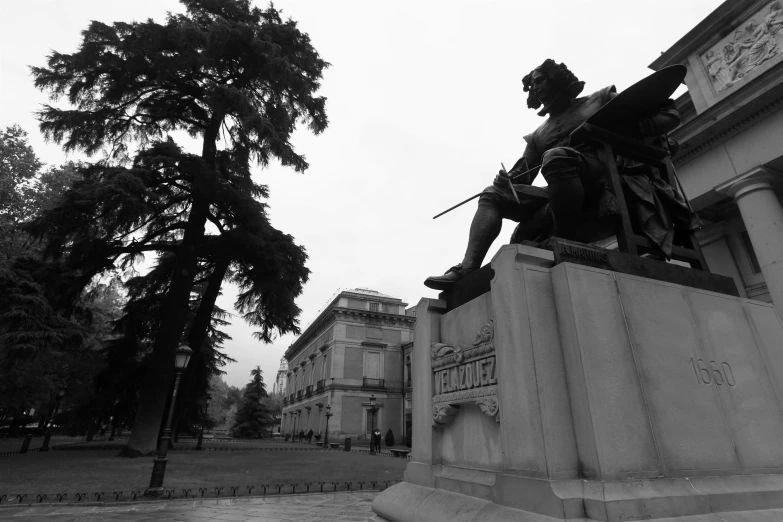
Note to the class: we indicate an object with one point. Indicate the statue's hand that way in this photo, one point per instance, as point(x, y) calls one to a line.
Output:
point(501, 178)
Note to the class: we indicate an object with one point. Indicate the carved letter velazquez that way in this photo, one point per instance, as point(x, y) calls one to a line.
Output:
point(465, 375)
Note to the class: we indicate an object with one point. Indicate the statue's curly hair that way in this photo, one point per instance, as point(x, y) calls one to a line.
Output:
point(559, 78)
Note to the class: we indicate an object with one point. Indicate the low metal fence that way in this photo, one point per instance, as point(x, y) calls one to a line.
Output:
point(91, 446)
point(252, 490)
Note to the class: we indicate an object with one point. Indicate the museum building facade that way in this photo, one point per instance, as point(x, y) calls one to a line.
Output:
point(358, 347)
point(730, 162)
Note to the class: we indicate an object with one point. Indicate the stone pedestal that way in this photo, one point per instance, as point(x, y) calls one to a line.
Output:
point(574, 393)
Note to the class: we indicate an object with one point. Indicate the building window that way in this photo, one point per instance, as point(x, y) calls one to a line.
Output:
point(372, 365)
point(375, 307)
point(323, 368)
point(754, 262)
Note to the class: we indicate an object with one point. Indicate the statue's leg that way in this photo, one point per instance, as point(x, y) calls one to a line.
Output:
point(484, 229)
point(561, 167)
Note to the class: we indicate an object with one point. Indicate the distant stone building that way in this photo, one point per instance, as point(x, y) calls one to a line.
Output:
point(356, 348)
point(279, 387)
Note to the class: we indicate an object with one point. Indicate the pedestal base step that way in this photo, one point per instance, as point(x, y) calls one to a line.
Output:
point(756, 498)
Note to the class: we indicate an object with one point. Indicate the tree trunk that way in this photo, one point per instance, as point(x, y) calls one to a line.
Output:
point(203, 319)
point(199, 328)
point(152, 401)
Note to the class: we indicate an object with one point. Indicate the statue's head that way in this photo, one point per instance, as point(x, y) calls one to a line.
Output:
point(551, 83)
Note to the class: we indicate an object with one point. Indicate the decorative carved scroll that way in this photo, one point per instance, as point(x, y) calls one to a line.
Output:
point(465, 376)
point(489, 406)
point(443, 414)
point(486, 398)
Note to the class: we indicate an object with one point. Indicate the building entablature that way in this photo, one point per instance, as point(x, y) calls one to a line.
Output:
point(720, 122)
point(375, 318)
point(349, 315)
point(311, 333)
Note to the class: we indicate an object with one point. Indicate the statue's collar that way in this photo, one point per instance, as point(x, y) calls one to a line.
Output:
point(570, 93)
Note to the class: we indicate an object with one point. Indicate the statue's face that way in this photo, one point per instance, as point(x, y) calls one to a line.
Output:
point(540, 87)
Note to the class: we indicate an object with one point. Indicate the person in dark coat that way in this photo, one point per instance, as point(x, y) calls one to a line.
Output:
point(376, 439)
point(310, 436)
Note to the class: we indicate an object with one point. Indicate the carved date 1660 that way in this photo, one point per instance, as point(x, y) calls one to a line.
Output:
point(712, 372)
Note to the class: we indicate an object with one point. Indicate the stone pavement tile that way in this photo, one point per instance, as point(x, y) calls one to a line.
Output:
point(231, 517)
point(198, 514)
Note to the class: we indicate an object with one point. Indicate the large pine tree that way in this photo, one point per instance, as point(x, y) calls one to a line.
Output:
point(227, 73)
point(253, 417)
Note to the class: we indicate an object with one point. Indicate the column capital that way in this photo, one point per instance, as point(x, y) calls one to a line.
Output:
point(758, 178)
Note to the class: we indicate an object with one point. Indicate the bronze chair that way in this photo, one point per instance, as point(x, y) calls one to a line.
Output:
point(609, 144)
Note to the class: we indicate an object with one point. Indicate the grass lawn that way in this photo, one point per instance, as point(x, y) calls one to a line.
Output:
point(16, 443)
point(100, 470)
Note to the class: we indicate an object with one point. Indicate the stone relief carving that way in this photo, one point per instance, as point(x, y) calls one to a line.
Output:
point(446, 354)
point(755, 41)
point(465, 376)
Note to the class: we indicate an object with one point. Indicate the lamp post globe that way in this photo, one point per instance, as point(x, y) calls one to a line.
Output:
point(181, 359)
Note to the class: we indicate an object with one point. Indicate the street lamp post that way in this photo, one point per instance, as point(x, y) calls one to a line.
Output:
point(326, 434)
point(114, 420)
point(181, 360)
point(293, 429)
point(203, 421)
point(48, 434)
point(373, 410)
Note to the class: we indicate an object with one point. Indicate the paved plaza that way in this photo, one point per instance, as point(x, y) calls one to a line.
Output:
point(320, 507)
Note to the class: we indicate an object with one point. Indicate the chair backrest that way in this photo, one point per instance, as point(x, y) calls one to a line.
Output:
point(686, 248)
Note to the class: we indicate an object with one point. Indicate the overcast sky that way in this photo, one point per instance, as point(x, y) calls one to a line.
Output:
point(424, 101)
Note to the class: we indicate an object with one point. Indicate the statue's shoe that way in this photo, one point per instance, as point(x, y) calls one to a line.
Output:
point(444, 282)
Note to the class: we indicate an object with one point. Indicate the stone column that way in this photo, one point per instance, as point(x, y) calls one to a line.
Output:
point(427, 331)
point(763, 217)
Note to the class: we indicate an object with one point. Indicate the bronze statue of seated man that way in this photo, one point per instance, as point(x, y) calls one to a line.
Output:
point(574, 173)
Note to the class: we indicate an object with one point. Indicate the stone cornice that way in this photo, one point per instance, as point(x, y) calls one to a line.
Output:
point(322, 322)
point(329, 316)
point(730, 116)
point(715, 26)
point(375, 318)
